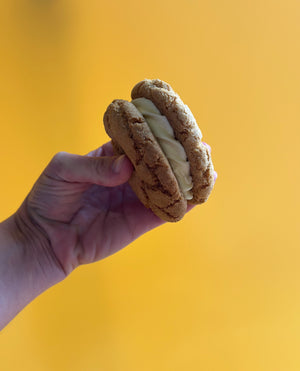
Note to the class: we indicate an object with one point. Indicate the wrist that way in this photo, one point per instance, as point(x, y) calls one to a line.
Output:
point(35, 244)
point(27, 264)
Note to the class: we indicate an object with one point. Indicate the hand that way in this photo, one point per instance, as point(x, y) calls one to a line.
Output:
point(80, 210)
point(83, 208)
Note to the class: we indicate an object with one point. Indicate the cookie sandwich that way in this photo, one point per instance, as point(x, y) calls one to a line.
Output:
point(160, 136)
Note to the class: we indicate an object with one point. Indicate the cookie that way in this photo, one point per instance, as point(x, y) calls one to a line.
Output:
point(160, 136)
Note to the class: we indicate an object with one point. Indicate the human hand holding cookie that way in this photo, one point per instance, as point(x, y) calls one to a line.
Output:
point(85, 208)
point(160, 136)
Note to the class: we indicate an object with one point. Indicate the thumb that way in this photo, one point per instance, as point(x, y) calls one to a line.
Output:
point(106, 171)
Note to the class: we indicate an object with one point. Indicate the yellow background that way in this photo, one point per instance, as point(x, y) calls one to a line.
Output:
point(221, 289)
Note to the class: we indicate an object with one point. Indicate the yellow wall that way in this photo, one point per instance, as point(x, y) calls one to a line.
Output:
point(221, 289)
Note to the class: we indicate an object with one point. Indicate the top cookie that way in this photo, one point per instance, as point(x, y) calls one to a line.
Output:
point(186, 132)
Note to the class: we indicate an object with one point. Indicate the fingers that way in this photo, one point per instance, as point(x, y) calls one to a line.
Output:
point(208, 146)
point(215, 176)
point(107, 171)
point(98, 167)
point(105, 150)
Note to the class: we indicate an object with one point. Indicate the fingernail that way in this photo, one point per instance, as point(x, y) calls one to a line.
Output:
point(208, 146)
point(215, 176)
point(118, 163)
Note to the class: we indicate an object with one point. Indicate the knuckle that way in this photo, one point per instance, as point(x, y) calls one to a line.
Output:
point(59, 159)
point(57, 164)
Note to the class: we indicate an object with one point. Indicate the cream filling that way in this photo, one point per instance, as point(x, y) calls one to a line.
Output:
point(171, 147)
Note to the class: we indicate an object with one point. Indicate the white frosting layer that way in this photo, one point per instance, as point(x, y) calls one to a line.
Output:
point(171, 147)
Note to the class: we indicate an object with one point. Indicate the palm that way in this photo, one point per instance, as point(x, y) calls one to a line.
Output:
point(87, 222)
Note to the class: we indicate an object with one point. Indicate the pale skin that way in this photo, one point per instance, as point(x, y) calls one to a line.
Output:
point(80, 210)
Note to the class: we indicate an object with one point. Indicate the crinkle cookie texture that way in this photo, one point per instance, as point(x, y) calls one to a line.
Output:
point(153, 180)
